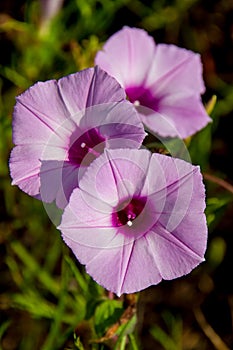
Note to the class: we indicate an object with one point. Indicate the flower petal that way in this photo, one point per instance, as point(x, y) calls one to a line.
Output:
point(172, 257)
point(166, 82)
point(183, 212)
point(25, 174)
point(87, 88)
point(124, 57)
point(87, 221)
point(186, 113)
point(177, 250)
point(163, 241)
point(109, 178)
point(58, 179)
point(39, 112)
point(183, 191)
point(119, 269)
point(174, 69)
point(175, 81)
point(42, 123)
point(118, 123)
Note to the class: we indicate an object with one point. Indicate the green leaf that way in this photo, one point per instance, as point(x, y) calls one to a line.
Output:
point(163, 338)
point(32, 265)
point(32, 302)
point(15, 77)
point(125, 330)
point(211, 104)
point(133, 342)
point(171, 340)
point(215, 207)
point(106, 314)
point(52, 340)
point(200, 147)
point(77, 274)
point(3, 328)
point(77, 342)
point(216, 251)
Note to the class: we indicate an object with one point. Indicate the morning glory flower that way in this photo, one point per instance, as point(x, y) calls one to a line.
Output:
point(137, 218)
point(59, 127)
point(165, 79)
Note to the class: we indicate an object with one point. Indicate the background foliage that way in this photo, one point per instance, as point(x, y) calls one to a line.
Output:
point(46, 300)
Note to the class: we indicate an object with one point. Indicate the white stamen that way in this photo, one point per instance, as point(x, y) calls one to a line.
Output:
point(136, 103)
point(146, 133)
point(83, 145)
point(129, 223)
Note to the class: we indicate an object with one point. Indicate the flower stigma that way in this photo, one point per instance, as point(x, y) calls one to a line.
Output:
point(86, 148)
point(126, 212)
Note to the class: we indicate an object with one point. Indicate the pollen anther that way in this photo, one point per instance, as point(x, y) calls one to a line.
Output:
point(136, 103)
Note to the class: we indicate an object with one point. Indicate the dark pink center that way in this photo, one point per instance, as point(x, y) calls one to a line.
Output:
point(126, 212)
point(86, 148)
point(142, 96)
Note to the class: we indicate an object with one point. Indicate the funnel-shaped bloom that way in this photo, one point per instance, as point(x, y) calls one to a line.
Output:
point(59, 127)
point(164, 78)
point(137, 218)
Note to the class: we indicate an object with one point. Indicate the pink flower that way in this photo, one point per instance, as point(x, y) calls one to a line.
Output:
point(59, 127)
point(137, 218)
point(164, 78)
